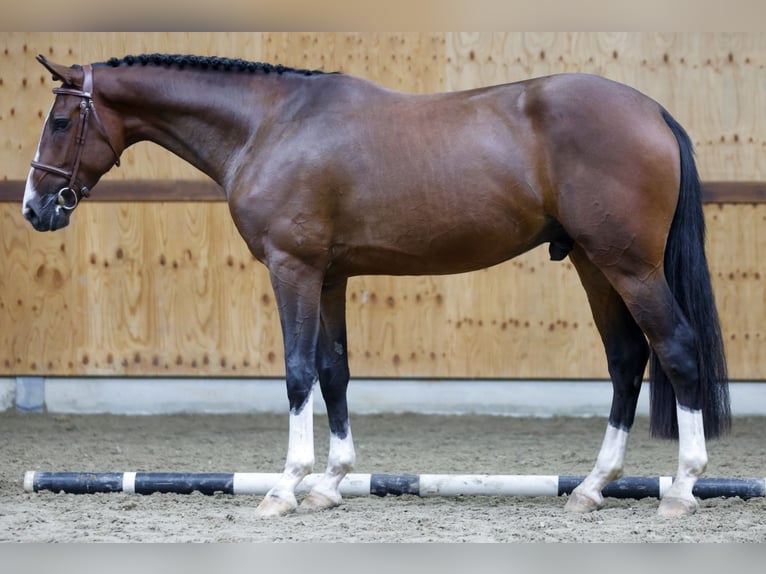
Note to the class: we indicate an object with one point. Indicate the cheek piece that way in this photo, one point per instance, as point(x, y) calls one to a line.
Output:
point(69, 196)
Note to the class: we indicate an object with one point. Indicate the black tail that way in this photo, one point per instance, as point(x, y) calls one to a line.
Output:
point(687, 274)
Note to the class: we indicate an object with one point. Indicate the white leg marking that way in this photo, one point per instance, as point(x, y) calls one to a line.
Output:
point(692, 454)
point(30, 191)
point(609, 465)
point(340, 462)
point(300, 453)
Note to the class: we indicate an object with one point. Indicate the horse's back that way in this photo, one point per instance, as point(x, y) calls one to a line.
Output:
point(410, 184)
point(394, 183)
point(517, 160)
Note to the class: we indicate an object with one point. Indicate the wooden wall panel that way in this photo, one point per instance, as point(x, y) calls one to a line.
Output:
point(26, 85)
point(139, 288)
point(408, 61)
point(736, 253)
point(713, 83)
point(527, 318)
point(169, 288)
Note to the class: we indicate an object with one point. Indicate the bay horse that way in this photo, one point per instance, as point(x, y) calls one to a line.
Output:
point(329, 176)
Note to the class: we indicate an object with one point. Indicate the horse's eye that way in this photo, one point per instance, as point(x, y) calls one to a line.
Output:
point(60, 124)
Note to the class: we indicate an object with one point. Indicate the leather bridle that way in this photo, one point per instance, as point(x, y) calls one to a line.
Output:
point(68, 197)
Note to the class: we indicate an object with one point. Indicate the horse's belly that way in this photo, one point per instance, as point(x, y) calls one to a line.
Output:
point(413, 250)
point(457, 220)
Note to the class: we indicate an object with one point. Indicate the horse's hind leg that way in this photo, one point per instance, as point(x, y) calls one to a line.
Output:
point(332, 365)
point(627, 353)
point(674, 342)
point(658, 314)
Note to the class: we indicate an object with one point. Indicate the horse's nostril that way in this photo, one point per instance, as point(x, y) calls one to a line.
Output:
point(30, 214)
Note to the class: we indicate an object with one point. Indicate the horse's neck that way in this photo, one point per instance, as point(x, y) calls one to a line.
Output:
point(187, 113)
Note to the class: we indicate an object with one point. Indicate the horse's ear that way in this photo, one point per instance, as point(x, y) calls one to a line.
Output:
point(71, 76)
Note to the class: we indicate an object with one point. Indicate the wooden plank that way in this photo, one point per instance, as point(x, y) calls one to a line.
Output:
point(194, 190)
point(169, 289)
point(152, 278)
point(736, 247)
point(135, 289)
point(712, 83)
point(734, 192)
point(407, 61)
point(136, 190)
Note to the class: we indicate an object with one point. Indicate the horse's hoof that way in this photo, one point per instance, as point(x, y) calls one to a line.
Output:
point(674, 507)
point(317, 501)
point(272, 506)
point(581, 504)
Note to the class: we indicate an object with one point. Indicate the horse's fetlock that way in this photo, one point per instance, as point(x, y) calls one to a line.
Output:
point(342, 463)
point(694, 465)
point(300, 467)
point(616, 473)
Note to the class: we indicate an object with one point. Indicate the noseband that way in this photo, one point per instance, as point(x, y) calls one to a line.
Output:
point(69, 196)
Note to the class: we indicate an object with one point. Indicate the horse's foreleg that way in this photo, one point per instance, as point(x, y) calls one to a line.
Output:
point(297, 290)
point(332, 365)
point(627, 353)
point(280, 499)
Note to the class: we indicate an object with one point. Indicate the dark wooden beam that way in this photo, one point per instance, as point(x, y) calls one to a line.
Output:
point(734, 192)
point(135, 190)
point(202, 190)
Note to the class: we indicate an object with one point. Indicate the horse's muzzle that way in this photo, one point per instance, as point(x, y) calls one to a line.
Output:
point(47, 215)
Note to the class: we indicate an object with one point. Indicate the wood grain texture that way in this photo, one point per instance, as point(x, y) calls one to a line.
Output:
point(147, 190)
point(26, 86)
point(713, 83)
point(169, 288)
point(409, 61)
point(207, 190)
point(736, 250)
point(139, 288)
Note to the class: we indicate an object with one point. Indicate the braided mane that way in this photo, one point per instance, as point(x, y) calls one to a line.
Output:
point(205, 63)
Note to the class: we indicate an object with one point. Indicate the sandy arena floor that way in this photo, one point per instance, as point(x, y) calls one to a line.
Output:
point(388, 444)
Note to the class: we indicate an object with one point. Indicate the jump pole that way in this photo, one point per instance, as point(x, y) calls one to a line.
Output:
point(356, 484)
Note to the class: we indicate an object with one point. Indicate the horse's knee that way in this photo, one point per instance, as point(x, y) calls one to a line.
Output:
point(333, 380)
point(332, 366)
point(300, 386)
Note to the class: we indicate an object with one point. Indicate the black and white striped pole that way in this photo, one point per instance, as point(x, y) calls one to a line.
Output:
point(357, 484)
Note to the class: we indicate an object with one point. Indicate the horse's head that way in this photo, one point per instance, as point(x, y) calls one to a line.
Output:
point(75, 150)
